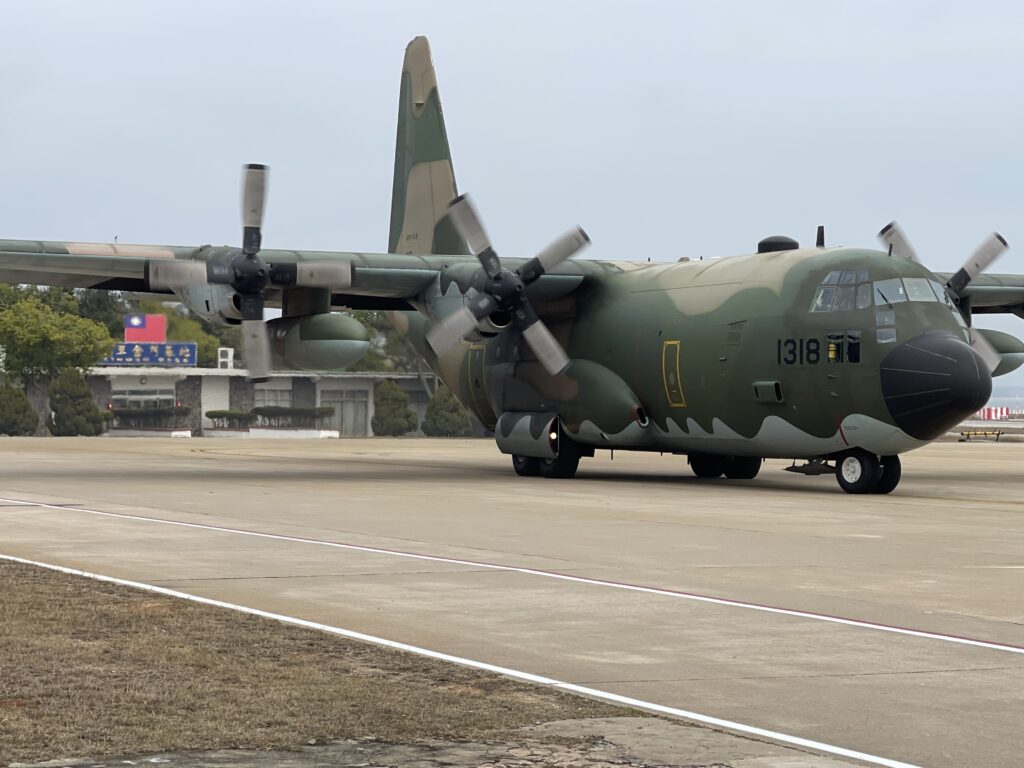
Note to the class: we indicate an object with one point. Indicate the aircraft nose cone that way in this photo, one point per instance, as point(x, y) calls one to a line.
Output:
point(932, 383)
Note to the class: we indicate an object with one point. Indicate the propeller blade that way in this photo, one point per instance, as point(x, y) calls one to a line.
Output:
point(565, 247)
point(546, 347)
point(179, 273)
point(896, 242)
point(254, 187)
point(979, 261)
point(455, 327)
point(451, 330)
point(985, 349)
point(256, 346)
point(467, 223)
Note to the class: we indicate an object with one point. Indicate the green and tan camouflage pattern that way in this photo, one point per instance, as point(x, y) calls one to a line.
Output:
point(424, 178)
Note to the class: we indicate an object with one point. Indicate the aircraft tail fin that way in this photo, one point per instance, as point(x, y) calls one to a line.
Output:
point(424, 178)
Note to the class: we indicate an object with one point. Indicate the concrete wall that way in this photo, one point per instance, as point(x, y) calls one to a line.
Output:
point(240, 394)
point(203, 392)
point(216, 396)
point(189, 392)
point(303, 392)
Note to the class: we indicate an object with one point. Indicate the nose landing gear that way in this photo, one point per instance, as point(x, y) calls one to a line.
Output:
point(858, 471)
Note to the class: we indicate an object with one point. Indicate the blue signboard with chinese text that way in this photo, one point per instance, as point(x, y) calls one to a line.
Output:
point(152, 353)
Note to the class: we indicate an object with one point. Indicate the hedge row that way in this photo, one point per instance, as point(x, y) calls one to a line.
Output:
point(274, 416)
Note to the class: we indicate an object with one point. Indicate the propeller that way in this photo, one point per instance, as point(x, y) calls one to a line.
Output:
point(249, 275)
point(504, 290)
point(896, 242)
point(983, 257)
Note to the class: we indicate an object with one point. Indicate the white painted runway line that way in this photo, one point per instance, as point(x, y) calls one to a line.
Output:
point(660, 591)
point(716, 722)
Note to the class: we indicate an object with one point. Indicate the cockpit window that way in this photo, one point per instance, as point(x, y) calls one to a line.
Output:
point(864, 295)
point(919, 289)
point(941, 293)
point(823, 299)
point(889, 292)
point(843, 291)
point(845, 295)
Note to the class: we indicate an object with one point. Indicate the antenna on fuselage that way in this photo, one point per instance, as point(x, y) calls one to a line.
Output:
point(820, 240)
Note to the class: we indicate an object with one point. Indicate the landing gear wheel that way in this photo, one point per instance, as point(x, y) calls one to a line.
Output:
point(892, 469)
point(858, 471)
point(526, 466)
point(743, 467)
point(565, 464)
point(707, 466)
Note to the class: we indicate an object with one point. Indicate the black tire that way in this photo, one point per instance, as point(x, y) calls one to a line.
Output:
point(858, 471)
point(892, 470)
point(707, 465)
point(743, 467)
point(526, 466)
point(565, 464)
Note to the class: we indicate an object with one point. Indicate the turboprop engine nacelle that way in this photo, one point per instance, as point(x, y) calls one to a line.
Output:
point(215, 303)
point(324, 342)
point(1010, 349)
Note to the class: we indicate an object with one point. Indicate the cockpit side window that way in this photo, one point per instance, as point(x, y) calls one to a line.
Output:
point(843, 291)
point(941, 293)
point(823, 299)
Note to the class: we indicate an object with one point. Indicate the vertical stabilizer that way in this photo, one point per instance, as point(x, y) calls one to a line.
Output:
point(424, 178)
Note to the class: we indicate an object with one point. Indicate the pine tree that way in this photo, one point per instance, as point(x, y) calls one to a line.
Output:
point(73, 410)
point(16, 414)
point(391, 416)
point(446, 416)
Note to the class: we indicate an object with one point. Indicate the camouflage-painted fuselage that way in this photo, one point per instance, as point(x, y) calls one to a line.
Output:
point(722, 356)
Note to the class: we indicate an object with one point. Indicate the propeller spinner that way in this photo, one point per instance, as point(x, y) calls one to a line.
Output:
point(504, 290)
point(249, 275)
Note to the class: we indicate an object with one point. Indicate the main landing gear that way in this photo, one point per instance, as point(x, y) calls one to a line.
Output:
point(858, 471)
point(563, 466)
point(710, 466)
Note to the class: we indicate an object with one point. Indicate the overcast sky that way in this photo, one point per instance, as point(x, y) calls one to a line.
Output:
point(665, 129)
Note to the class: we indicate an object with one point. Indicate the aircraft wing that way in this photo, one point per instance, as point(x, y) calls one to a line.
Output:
point(994, 294)
point(82, 265)
point(379, 280)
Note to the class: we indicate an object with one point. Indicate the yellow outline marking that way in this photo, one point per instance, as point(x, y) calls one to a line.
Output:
point(680, 402)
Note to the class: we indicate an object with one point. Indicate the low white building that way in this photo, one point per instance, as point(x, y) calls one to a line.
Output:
point(210, 389)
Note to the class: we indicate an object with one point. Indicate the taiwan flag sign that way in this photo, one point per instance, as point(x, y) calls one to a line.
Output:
point(145, 328)
point(144, 353)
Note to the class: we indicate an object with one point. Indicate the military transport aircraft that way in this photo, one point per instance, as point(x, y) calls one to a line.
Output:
point(843, 355)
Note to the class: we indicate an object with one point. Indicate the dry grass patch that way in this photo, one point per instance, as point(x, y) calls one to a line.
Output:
point(88, 668)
